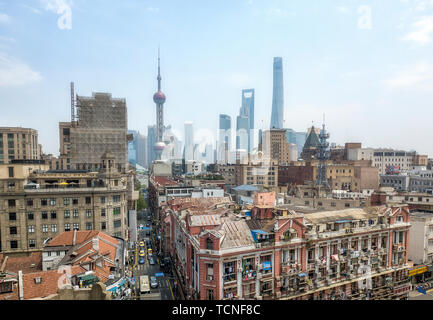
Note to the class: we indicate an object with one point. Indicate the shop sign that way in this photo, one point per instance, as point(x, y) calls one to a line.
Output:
point(418, 270)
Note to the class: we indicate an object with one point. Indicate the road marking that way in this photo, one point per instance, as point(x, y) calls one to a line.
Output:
point(171, 290)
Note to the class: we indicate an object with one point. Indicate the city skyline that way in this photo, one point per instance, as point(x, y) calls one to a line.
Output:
point(368, 85)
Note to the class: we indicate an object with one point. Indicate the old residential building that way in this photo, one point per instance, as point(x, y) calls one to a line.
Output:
point(19, 143)
point(280, 254)
point(36, 205)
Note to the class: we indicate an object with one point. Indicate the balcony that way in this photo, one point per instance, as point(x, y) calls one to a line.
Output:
point(249, 275)
point(229, 277)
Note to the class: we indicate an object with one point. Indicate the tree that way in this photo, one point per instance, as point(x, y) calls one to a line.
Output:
point(141, 203)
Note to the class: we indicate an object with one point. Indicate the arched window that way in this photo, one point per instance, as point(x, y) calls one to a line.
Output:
point(209, 243)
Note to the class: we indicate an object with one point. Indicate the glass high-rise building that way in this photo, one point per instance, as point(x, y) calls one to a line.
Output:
point(151, 140)
point(132, 148)
point(189, 141)
point(224, 138)
point(247, 110)
point(277, 117)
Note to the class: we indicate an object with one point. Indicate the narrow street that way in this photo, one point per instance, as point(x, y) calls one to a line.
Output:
point(164, 291)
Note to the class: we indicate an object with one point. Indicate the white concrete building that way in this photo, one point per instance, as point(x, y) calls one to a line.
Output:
point(421, 238)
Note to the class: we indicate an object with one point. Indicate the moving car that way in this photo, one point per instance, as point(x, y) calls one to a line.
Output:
point(141, 260)
point(141, 244)
point(149, 250)
point(149, 244)
point(147, 225)
point(151, 261)
point(153, 282)
point(142, 253)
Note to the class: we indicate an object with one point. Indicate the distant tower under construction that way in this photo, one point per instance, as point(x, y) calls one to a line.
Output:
point(323, 156)
point(159, 99)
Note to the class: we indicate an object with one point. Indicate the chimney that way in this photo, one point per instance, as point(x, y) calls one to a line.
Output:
point(95, 244)
point(20, 285)
point(75, 237)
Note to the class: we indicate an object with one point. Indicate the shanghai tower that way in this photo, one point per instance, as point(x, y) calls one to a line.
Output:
point(278, 95)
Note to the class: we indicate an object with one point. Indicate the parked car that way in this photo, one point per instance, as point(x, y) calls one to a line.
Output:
point(153, 282)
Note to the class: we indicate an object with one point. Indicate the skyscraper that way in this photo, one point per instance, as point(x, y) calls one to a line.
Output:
point(132, 147)
point(242, 133)
point(247, 110)
point(224, 138)
point(277, 117)
point(151, 140)
point(159, 99)
point(142, 150)
point(189, 141)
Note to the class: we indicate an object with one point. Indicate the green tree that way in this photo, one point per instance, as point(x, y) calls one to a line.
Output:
point(141, 203)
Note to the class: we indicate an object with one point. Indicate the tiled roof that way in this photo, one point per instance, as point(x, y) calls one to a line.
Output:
point(26, 262)
point(66, 238)
point(205, 220)
point(164, 181)
point(235, 234)
point(47, 286)
point(347, 214)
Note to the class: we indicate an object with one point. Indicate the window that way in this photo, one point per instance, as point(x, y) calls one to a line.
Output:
point(32, 243)
point(11, 172)
point(347, 205)
point(103, 212)
point(13, 230)
point(116, 211)
point(89, 226)
point(54, 228)
point(31, 229)
point(116, 198)
point(44, 228)
point(88, 200)
point(102, 199)
point(88, 213)
point(52, 202)
point(66, 201)
point(209, 244)
point(30, 216)
point(12, 216)
point(75, 213)
point(76, 226)
point(209, 294)
point(117, 223)
point(14, 244)
point(11, 202)
point(30, 202)
point(6, 287)
point(74, 200)
point(44, 202)
point(400, 218)
point(67, 214)
point(209, 269)
point(103, 225)
point(44, 215)
point(333, 204)
point(67, 227)
point(53, 214)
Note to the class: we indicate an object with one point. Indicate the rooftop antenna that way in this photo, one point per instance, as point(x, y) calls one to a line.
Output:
point(72, 103)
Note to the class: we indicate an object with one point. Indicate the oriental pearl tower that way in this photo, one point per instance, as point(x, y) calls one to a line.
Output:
point(159, 99)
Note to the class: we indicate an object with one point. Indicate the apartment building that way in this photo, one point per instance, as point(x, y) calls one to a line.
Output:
point(388, 160)
point(354, 176)
point(275, 253)
point(262, 174)
point(37, 204)
point(275, 146)
point(19, 143)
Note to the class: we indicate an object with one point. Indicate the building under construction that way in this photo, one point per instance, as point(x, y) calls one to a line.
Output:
point(98, 125)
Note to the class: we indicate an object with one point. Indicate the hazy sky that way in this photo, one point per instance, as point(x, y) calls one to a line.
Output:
point(368, 65)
